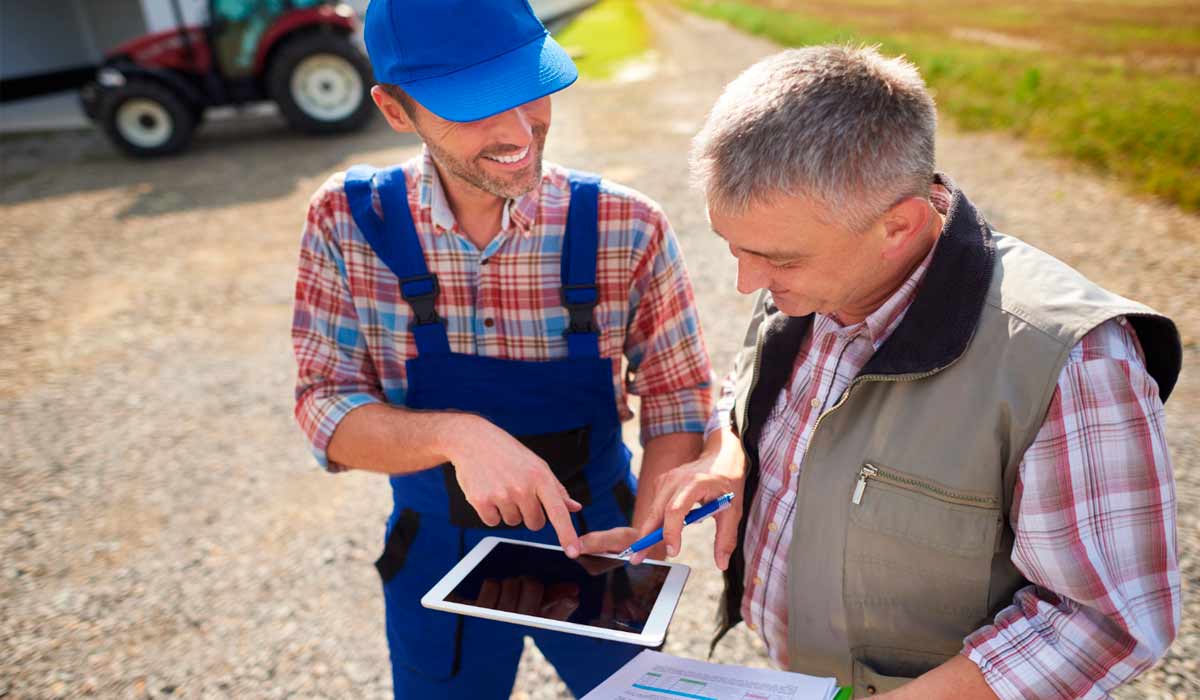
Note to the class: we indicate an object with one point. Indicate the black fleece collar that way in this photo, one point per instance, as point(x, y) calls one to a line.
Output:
point(943, 317)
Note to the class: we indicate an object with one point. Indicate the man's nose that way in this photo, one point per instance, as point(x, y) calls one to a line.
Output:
point(750, 277)
point(513, 126)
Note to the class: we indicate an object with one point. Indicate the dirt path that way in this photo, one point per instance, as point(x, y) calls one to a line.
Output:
point(164, 531)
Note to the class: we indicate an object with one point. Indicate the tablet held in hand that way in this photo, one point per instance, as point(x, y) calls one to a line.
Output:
point(538, 585)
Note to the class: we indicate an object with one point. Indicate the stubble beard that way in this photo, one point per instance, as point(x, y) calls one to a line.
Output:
point(473, 173)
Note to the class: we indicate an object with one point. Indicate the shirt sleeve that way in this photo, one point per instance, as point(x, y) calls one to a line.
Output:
point(335, 373)
point(667, 359)
point(722, 413)
point(1094, 518)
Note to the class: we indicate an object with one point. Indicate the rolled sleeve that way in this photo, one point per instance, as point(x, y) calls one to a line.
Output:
point(722, 413)
point(326, 413)
point(335, 374)
point(667, 357)
point(682, 411)
point(1094, 519)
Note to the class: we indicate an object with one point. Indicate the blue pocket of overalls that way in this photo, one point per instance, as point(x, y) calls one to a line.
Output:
point(566, 452)
point(414, 559)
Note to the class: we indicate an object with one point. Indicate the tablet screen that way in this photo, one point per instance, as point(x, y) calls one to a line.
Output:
point(593, 591)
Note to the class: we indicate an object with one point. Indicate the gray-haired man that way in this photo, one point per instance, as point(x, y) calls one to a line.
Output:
point(950, 445)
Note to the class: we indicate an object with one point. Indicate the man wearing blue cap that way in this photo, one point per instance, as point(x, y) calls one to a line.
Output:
point(460, 325)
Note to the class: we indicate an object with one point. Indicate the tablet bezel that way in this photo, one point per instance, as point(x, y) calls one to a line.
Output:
point(652, 635)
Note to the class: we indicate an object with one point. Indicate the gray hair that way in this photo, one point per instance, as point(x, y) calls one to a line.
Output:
point(842, 126)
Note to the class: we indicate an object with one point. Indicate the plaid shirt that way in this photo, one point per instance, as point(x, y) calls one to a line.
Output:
point(349, 331)
point(1093, 513)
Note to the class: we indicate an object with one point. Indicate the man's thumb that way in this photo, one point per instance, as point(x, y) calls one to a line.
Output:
point(605, 540)
point(726, 539)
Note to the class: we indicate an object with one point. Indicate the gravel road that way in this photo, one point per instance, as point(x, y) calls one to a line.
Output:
point(163, 531)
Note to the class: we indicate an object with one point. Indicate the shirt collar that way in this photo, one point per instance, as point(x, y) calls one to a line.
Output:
point(521, 211)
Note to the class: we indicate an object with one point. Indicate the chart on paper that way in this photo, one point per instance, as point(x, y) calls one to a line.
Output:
point(676, 684)
point(655, 676)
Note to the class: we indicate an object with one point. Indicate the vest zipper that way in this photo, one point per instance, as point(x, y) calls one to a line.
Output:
point(872, 378)
point(911, 377)
point(870, 471)
point(865, 473)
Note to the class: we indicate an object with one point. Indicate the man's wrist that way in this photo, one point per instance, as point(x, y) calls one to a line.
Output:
point(729, 460)
point(957, 679)
point(715, 442)
point(448, 431)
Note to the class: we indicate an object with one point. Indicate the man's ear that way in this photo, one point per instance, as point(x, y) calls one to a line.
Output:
point(395, 115)
point(906, 221)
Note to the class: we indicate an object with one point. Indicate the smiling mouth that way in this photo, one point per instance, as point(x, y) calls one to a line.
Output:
point(511, 159)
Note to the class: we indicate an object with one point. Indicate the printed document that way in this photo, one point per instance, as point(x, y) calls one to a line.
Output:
point(655, 676)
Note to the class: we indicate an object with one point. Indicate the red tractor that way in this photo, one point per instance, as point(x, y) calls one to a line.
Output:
point(151, 93)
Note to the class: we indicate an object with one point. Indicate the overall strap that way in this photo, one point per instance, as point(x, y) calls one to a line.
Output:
point(580, 241)
point(396, 243)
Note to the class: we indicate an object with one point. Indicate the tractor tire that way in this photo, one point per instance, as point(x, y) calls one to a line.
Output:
point(146, 119)
point(322, 84)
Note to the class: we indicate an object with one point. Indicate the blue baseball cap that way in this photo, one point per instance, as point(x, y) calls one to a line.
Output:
point(465, 60)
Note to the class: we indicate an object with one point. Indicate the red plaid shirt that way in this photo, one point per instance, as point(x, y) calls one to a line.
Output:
point(1093, 513)
point(349, 330)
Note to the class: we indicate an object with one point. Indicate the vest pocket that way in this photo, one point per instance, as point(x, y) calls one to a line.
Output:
point(918, 566)
point(868, 679)
point(925, 512)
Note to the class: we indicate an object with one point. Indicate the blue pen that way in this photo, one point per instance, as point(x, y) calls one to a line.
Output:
point(695, 516)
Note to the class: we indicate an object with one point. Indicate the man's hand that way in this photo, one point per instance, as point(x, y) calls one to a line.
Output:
point(612, 541)
point(615, 541)
point(503, 480)
point(719, 470)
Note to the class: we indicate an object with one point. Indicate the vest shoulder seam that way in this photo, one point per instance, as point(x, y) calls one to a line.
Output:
point(1018, 312)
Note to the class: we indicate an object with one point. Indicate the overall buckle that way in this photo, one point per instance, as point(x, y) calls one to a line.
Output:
point(580, 301)
point(422, 303)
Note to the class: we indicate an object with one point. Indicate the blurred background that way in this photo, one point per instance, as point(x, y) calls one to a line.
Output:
point(163, 530)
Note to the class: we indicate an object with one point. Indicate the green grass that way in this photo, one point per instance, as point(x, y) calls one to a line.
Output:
point(1141, 125)
point(605, 36)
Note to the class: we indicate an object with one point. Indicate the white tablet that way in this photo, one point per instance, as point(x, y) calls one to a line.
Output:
point(539, 585)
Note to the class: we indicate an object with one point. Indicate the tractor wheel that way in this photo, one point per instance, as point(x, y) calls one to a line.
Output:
point(322, 84)
point(144, 118)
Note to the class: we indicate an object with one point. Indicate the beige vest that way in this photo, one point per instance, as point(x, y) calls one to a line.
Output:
point(902, 545)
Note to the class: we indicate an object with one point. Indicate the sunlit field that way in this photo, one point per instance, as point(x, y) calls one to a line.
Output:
point(1114, 85)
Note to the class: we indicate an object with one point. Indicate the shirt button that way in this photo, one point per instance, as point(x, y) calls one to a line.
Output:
point(772, 526)
point(793, 467)
point(871, 690)
point(489, 322)
point(485, 261)
point(758, 580)
point(815, 403)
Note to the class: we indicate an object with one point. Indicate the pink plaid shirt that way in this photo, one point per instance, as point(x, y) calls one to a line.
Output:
point(349, 330)
point(1093, 513)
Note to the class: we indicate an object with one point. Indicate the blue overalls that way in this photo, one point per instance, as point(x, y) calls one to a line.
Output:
point(563, 410)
